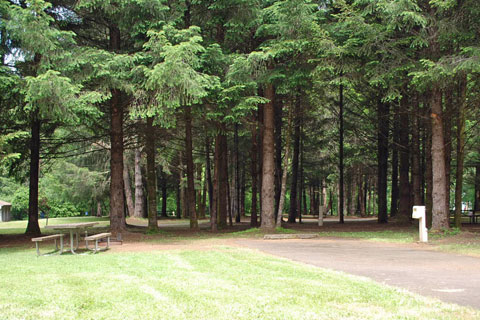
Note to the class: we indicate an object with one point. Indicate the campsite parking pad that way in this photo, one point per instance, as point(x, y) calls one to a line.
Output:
point(449, 277)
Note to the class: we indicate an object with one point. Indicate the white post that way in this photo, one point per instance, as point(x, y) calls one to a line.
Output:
point(320, 215)
point(419, 213)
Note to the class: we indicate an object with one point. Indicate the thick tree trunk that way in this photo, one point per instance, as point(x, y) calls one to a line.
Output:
point(292, 213)
point(254, 175)
point(383, 126)
point(139, 206)
point(341, 199)
point(33, 228)
point(404, 210)
point(439, 209)
point(192, 210)
point(416, 173)
point(128, 190)
point(268, 171)
point(117, 203)
point(461, 137)
point(151, 175)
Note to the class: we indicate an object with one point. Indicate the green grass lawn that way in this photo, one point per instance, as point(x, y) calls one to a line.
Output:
point(224, 283)
point(19, 226)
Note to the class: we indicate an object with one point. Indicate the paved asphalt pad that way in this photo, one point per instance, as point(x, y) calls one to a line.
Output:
point(449, 277)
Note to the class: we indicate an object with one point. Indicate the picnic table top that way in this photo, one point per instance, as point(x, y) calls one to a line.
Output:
point(72, 225)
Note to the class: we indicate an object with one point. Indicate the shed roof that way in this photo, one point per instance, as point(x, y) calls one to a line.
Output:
point(4, 203)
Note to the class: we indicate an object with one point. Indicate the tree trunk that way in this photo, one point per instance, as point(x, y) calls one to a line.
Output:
point(222, 180)
point(278, 152)
point(209, 174)
point(214, 205)
point(117, 203)
point(340, 156)
point(151, 175)
point(33, 228)
point(461, 138)
point(447, 130)
point(99, 209)
point(476, 205)
point(404, 213)
point(254, 175)
point(164, 195)
point(268, 170)
point(292, 213)
point(128, 190)
point(439, 209)
point(192, 210)
point(237, 175)
point(139, 206)
point(428, 167)
point(395, 190)
point(283, 187)
point(416, 173)
point(383, 128)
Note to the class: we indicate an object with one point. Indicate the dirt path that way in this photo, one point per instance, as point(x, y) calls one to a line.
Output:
point(449, 277)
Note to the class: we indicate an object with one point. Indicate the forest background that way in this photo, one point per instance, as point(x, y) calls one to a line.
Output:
point(233, 108)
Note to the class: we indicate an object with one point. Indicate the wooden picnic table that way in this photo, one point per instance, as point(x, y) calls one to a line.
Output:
point(73, 228)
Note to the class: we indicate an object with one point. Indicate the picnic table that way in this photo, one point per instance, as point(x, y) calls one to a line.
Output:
point(73, 228)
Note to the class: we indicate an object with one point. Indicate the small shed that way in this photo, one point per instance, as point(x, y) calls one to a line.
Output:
point(5, 209)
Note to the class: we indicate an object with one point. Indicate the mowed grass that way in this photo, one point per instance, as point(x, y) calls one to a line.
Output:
point(222, 283)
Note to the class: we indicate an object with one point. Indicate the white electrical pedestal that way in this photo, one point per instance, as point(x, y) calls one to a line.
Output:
point(419, 213)
point(320, 215)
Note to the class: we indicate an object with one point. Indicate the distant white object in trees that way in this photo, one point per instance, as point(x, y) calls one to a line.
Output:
point(419, 213)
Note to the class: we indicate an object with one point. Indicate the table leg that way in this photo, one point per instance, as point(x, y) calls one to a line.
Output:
point(71, 242)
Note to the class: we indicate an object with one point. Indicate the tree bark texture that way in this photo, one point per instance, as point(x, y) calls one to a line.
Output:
point(341, 199)
point(278, 152)
point(138, 185)
point(268, 170)
point(117, 203)
point(151, 175)
point(404, 209)
point(292, 213)
point(395, 188)
point(221, 166)
point(416, 173)
point(283, 187)
point(128, 190)
point(33, 228)
point(383, 128)
point(439, 191)
point(254, 174)
point(192, 210)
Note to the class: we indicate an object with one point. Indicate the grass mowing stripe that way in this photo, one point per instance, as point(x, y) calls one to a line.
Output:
point(211, 284)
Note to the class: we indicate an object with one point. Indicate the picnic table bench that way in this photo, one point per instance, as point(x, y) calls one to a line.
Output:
point(44, 238)
point(471, 214)
point(97, 237)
